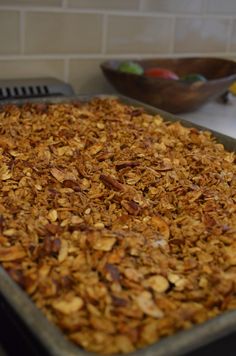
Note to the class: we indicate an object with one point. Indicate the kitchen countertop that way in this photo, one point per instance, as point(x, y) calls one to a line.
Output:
point(216, 116)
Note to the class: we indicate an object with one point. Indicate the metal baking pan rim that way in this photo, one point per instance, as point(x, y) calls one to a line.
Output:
point(52, 338)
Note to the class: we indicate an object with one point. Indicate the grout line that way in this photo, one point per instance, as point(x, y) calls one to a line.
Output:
point(113, 12)
point(111, 56)
point(204, 7)
point(66, 69)
point(22, 32)
point(141, 5)
point(229, 36)
point(104, 34)
point(172, 35)
point(64, 4)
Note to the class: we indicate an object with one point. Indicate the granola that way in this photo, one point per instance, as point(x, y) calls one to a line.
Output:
point(121, 227)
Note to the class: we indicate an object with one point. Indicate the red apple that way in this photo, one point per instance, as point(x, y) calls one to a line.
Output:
point(160, 73)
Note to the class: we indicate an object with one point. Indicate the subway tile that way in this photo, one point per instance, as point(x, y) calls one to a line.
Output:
point(63, 33)
point(105, 4)
point(173, 6)
point(31, 2)
point(10, 69)
point(221, 7)
point(141, 34)
point(86, 77)
point(233, 38)
point(9, 32)
point(200, 35)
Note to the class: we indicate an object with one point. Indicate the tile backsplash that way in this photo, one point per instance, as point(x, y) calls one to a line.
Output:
point(138, 34)
point(62, 33)
point(201, 35)
point(68, 39)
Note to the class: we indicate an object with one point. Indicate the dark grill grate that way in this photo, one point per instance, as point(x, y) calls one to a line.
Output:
point(23, 91)
point(33, 88)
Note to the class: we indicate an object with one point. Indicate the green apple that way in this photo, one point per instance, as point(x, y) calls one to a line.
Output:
point(131, 67)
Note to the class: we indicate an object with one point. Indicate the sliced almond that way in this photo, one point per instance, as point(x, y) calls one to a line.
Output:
point(158, 283)
point(147, 305)
point(68, 307)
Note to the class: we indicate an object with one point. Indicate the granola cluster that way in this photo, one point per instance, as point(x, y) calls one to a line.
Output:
point(121, 227)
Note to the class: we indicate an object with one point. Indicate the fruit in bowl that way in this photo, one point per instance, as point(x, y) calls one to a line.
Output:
point(176, 85)
point(194, 77)
point(131, 67)
point(157, 72)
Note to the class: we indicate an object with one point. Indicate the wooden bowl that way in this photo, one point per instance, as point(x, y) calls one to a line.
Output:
point(175, 96)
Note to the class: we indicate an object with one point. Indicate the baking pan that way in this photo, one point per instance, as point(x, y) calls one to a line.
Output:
point(40, 337)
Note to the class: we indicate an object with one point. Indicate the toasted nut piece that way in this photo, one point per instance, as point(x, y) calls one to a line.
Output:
point(7, 143)
point(87, 211)
point(93, 310)
point(99, 225)
point(178, 281)
point(100, 126)
point(63, 253)
point(93, 150)
point(231, 254)
point(38, 187)
point(65, 150)
point(203, 282)
point(147, 305)
point(133, 274)
point(104, 243)
point(163, 166)
point(9, 232)
point(68, 307)
point(161, 226)
point(113, 272)
point(158, 283)
point(149, 331)
point(5, 173)
point(103, 324)
point(76, 219)
point(11, 253)
point(173, 278)
point(132, 207)
point(61, 176)
point(125, 164)
point(111, 182)
point(194, 196)
point(124, 344)
point(52, 215)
